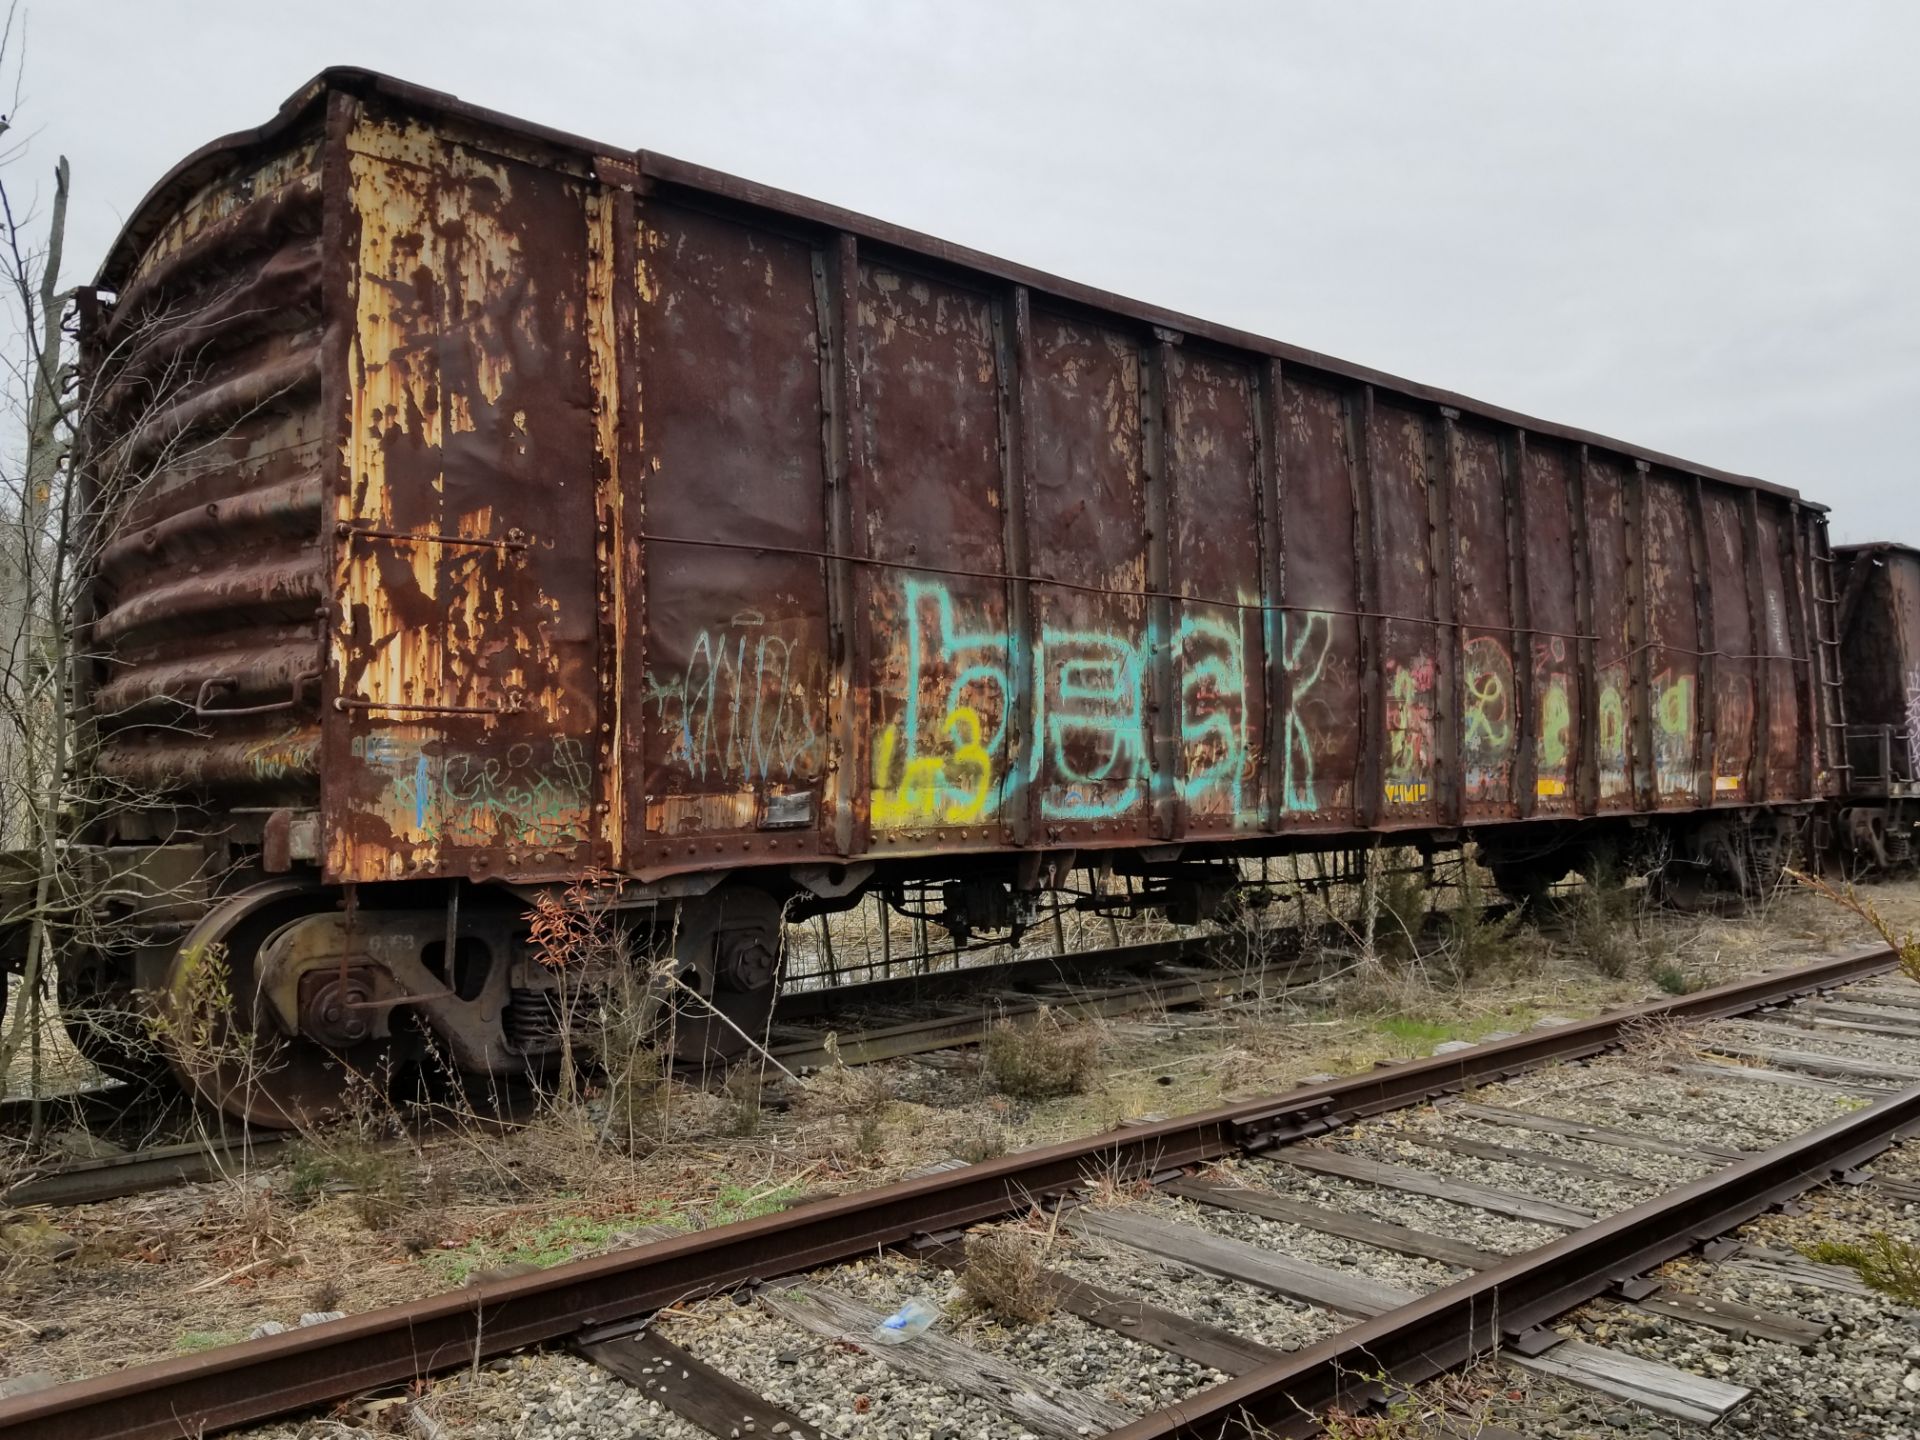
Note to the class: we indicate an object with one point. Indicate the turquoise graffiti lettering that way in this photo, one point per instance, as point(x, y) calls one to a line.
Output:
point(1304, 642)
point(1094, 724)
point(748, 705)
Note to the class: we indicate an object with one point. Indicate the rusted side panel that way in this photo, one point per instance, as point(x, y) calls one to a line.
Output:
point(1093, 751)
point(208, 594)
point(1613, 663)
point(464, 739)
point(1219, 650)
point(1320, 632)
point(1489, 709)
point(1735, 646)
point(1410, 663)
point(1903, 571)
point(1673, 637)
point(732, 707)
point(934, 519)
point(1552, 573)
point(1786, 721)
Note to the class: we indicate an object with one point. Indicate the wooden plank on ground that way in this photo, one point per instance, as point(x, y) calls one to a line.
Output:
point(1400, 1239)
point(1344, 1291)
point(1700, 1150)
point(1792, 1026)
point(1903, 1024)
point(1843, 1067)
point(1907, 1192)
point(1732, 1317)
point(1143, 1321)
point(1418, 1182)
point(1664, 1388)
point(1166, 1330)
point(693, 1389)
point(1042, 1405)
point(1904, 997)
point(1792, 1269)
point(1509, 1155)
point(1787, 1079)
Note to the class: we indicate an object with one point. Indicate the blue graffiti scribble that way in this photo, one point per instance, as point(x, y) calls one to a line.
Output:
point(422, 793)
point(532, 793)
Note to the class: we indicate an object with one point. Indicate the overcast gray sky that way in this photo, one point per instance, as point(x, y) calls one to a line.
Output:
point(1692, 225)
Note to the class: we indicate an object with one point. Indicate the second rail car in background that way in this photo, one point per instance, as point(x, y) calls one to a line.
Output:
point(1879, 623)
point(506, 508)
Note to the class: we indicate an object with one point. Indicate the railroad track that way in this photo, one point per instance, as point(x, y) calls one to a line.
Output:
point(849, 1024)
point(1430, 1298)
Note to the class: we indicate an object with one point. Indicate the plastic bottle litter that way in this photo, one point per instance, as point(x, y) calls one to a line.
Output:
point(905, 1323)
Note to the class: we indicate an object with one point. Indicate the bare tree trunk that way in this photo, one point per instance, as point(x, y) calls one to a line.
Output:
point(39, 641)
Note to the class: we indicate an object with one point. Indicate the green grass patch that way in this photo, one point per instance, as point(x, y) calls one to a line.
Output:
point(1415, 1032)
point(739, 1202)
point(566, 1237)
point(559, 1239)
point(192, 1342)
point(1674, 980)
point(1410, 1030)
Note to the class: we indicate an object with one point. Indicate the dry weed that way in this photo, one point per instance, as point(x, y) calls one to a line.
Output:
point(1905, 944)
point(1659, 1041)
point(841, 1090)
point(1375, 988)
point(1449, 1407)
point(741, 1095)
point(1479, 943)
point(1042, 1057)
point(380, 1181)
point(1106, 1186)
point(1006, 1273)
point(1602, 924)
point(989, 1142)
point(1401, 900)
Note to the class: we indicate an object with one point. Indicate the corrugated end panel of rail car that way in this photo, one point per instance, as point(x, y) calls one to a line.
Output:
point(208, 448)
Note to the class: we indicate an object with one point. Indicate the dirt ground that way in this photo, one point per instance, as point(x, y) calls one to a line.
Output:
point(364, 1215)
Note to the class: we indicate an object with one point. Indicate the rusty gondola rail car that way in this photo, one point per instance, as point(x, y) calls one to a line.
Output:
point(507, 507)
point(1878, 597)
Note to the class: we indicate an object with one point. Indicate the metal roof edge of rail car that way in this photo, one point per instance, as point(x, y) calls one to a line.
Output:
point(356, 80)
point(1877, 547)
point(303, 1368)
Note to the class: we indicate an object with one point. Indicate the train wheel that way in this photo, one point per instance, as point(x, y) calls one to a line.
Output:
point(1526, 885)
point(225, 1044)
point(726, 954)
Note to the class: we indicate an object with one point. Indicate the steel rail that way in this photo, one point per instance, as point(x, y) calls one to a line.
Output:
point(1504, 1305)
point(257, 1380)
point(88, 1182)
point(966, 981)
